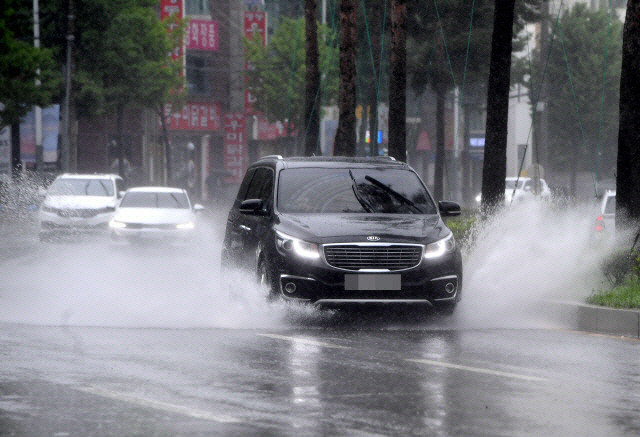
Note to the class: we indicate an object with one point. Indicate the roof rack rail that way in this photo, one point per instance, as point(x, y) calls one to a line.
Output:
point(383, 158)
point(271, 157)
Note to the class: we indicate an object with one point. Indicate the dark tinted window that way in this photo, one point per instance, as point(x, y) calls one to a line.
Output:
point(142, 199)
point(261, 184)
point(325, 190)
point(242, 191)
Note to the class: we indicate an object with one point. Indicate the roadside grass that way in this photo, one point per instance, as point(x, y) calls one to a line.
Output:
point(622, 270)
point(625, 295)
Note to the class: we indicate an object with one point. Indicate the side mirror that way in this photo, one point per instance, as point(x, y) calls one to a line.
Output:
point(253, 207)
point(120, 194)
point(197, 207)
point(448, 209)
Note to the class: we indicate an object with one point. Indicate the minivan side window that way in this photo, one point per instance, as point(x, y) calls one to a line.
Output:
point(261, 185)
point(242, 191)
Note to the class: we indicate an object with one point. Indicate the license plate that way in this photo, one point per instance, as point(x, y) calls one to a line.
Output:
point(372, 281)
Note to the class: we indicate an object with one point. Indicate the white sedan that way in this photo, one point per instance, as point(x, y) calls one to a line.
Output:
point(155, 213)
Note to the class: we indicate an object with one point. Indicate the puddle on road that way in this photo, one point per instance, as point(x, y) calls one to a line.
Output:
point(526, 254)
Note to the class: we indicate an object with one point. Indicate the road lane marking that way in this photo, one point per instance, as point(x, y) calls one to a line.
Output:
point(302, 340)
point(158, 405)
point(478, 370)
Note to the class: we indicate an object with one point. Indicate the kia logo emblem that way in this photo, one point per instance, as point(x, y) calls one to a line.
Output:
point(373, 238)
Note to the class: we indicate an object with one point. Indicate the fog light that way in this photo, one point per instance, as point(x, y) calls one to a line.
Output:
point(290, 287)
point(449, 288)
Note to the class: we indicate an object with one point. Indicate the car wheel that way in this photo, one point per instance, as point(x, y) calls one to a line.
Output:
point(265, 281)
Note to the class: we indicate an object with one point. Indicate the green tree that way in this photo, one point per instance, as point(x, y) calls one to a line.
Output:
point(21, 66)
point(277, 72)
point(135, 69)
point(581, 70)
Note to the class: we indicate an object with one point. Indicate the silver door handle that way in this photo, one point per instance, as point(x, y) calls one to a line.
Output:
point(245, 228)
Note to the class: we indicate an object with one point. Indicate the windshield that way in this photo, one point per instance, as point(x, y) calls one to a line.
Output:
point(510, 184)
point(81, 187)
point(340, 190)
point(138, 199)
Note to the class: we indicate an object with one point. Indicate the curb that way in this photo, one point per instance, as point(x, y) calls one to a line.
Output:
point(593, 318)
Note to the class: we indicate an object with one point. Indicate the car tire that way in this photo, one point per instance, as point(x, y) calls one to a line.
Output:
point(265, 281)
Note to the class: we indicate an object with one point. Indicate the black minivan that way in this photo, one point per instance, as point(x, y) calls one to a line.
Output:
point(331, 231)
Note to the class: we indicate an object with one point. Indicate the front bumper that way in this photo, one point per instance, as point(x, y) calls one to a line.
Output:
point(431, 282)
point(152, 233)
point(52, 222)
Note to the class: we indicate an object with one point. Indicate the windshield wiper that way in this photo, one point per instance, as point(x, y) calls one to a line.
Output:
point(393, 192)
point(354, 186)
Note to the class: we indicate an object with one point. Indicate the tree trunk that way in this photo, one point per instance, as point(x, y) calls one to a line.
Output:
point(16, 158)
point(466, 159)
point(494, 168)
point(312, 86)
point(398, 81)
point(374, 92)
point(628, 166)
point(345, 141)
point(121, 154)
point(167, 147)
point(438, 175)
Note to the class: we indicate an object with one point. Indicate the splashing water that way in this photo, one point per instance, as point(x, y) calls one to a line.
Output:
point(528, 253)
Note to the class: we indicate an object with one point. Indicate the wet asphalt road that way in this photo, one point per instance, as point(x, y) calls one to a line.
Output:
point(99, 339)
point(81, 381)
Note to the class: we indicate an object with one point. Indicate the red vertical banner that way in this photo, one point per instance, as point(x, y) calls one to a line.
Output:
point(235, 147)
point(255, 22)
point(169, 8)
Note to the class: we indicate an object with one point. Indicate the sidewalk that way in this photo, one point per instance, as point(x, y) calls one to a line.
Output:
point(592, 318)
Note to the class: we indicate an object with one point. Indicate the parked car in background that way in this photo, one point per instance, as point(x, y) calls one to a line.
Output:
point(333, 231)
point(524, 188)
point(154, 213)
point(79, 203)
point(606, 219)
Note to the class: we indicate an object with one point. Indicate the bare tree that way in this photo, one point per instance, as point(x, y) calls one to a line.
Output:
point(345, 141)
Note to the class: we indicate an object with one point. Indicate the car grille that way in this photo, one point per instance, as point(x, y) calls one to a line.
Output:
point(149, 226)
point(373, 256)
point(82, 213)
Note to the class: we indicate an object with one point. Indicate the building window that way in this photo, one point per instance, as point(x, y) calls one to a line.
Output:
point(199, 74)
point(197, 7)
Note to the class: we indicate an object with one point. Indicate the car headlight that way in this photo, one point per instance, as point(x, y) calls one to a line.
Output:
point(440, 247)
point(301, 248)
point(114, 224)
point(187, 225)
